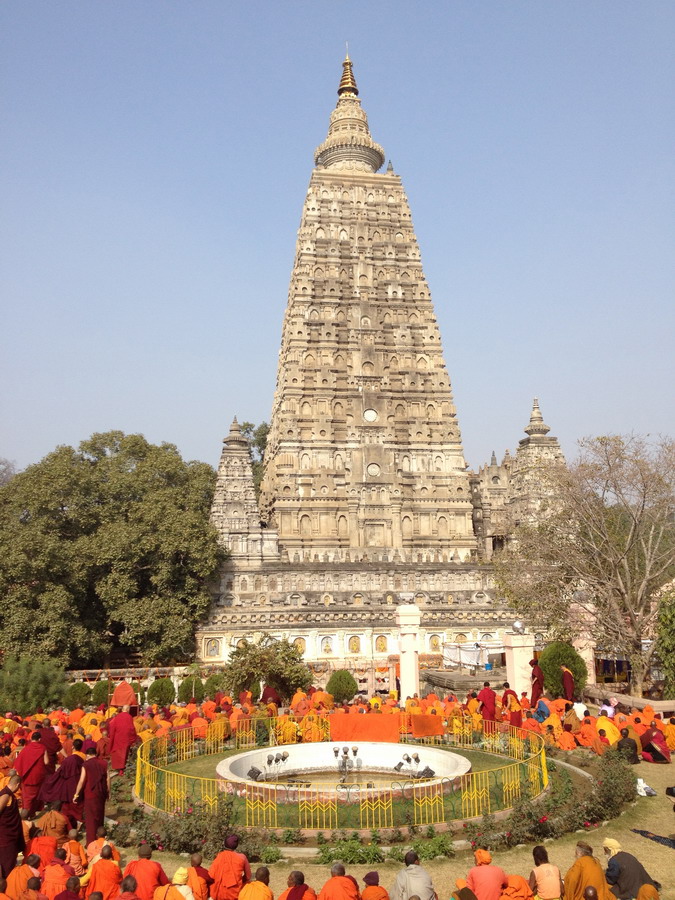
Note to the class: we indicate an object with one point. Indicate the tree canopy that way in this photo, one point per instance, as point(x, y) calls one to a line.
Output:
point(342, 686)
point(277, 663)
point(106, 546)
point(256, 435)
point(558, 654)
point(27, 682)
point(597, 563)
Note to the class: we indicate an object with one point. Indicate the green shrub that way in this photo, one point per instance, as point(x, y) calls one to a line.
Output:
point(349, 852)
point(190, 687)
point(615, 784)
point(27, 682)
point(342, 685)
point(215, 683)
point(102, 692)
point(77, 694)
point(396, 853)
point(293, 836)
point(561, 654)
point(270, 855)
point(430, 848)
point(162, 692)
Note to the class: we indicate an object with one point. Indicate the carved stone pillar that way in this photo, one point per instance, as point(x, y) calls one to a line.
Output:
point(408, 618)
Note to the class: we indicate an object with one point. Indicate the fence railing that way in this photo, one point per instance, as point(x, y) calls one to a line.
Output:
point(162, 785)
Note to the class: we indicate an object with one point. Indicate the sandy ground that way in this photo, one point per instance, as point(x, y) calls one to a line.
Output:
point(653, 814)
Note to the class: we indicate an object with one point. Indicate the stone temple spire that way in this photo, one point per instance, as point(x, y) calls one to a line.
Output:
point(349, 144)
point(537, 426)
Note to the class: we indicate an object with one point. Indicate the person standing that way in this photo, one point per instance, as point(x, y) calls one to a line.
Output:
point(567, 683)
point(94, 782)
point(487, 700)
point(31, 765)
point(537, 683)
point(121, 738)
point(11, 830)
point(230, 871)
point(511, 703)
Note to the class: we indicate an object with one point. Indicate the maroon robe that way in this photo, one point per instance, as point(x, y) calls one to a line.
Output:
point(537, 685)
point(121, 738)
point(31, 767)
point(50, 740)
point(61, 786)
point(11, 833)
point(95, 795)
point(489, 700)
point(568, 685)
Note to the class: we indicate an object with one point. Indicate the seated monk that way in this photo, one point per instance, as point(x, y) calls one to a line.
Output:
point(199, 881)
point(566, 741)
point(373, 889)
point(128, 889)
point(56, 874)
point(76, 857)
point(104, 876)
point(297, 889)
point(149, 874)
point(33, 890)
point(230, 871)
point(258, 889)
point(54, 824)
point(178, 889)
point(72, 890)
point(669, 734)
point(17, 880)
point(339, 886)
point(44, 847)
point(611, 731)
point(94, 848)
point(517, 888)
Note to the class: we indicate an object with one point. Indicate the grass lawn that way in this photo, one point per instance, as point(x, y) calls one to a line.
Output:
point(648, 813)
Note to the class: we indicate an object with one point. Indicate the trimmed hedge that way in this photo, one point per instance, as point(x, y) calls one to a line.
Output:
point(162, 692)
point(191, 687)
point(561, 654)
point(77, 694)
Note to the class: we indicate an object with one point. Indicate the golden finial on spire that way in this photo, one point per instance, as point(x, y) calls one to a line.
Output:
point(347, 82)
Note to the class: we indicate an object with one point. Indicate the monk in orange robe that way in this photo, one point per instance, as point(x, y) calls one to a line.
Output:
point(669, 734)
point(373, 889)
point(199, 881)
point(44, 848)
point(17, 880)
point(94, 847)
point(230, 871)
point(516, 889)
point(149, 874)
point(54, 824)
point(76, 857)
point(105, 876)
point(566, 741)
point(339, 886)
point(258, 889)
point(56, 874)
point(297, 889)
point(33, 890)
point(531, 724)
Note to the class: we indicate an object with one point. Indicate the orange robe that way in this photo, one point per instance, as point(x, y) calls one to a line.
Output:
point(669, 733)
point(149, 876)
point(586, 872)
point(339, 887)
point(55, 825)
point(106, 878)
point(374, 892)
point(94, 849)
point(17, 880)
point(168, 892)
point(310, 893)
point(45, 847)
point(256, 890)
point(76, 858)
point(197, 884)
point(516, 888)
point(54, 880)
point(230, 872)
point(566, 741)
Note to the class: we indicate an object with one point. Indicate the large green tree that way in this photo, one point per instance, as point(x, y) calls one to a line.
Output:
point(598, 561)
point(106, 546)
point(277, 663)
point(256, 435)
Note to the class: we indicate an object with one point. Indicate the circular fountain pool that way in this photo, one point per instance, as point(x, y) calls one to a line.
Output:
point(364, 766)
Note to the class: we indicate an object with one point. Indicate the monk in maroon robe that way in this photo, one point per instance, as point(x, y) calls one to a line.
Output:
point(31, 765)
point(567, 683)
point(94, 782)
point(50, 741)
point(121, 738)
point(488, 703)
point(537, 683)
point(61, 787)
point(11, 830)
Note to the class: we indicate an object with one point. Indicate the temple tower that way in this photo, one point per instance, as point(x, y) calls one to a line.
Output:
point(364, 449)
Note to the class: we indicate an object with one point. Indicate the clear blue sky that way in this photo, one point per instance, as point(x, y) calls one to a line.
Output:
point(154, 161)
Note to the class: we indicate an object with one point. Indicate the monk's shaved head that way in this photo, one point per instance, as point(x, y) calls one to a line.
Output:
point(72, 834)
point(129, 885)
point(61, 853)
point(14, 782)
point(106, 852)
point(196, 859)
point(337, 869)
point(295, 878)
point(590, 893)
point(262, 873)
point(100, 831)
point(33, 861)
point(33, 884)
point(96, 895)
point(145, 851)
point(73, 884)
point(411, 858)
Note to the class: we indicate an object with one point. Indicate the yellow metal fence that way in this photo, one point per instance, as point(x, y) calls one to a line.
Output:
point(161, 785)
